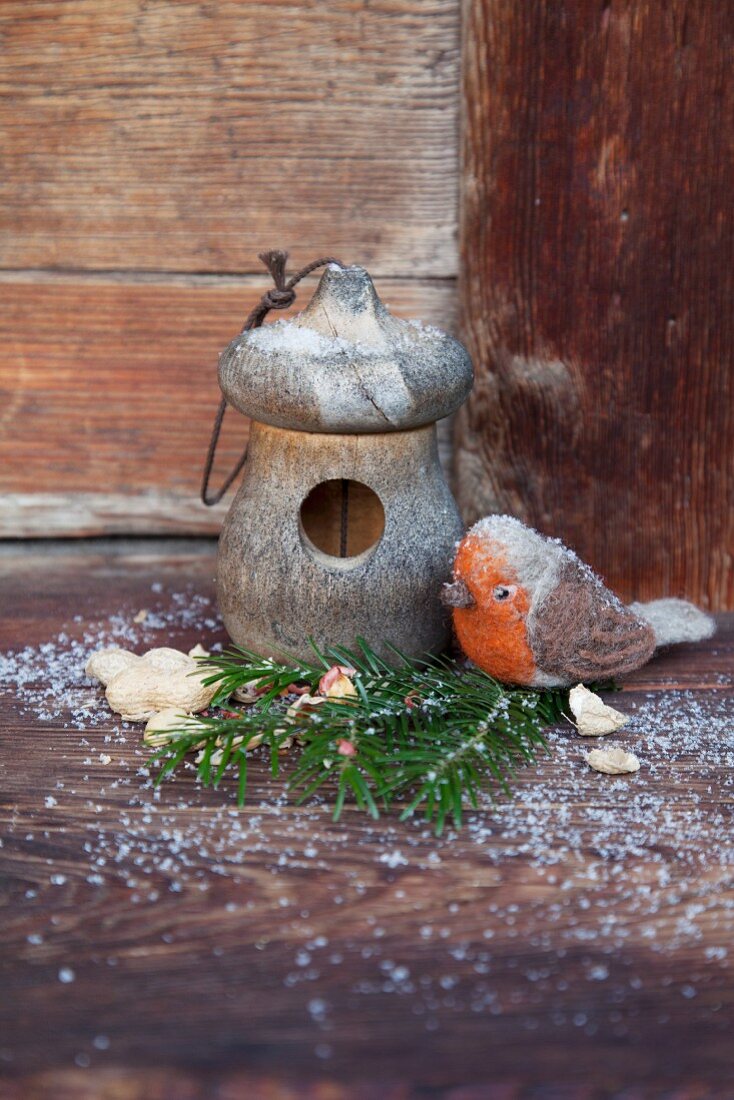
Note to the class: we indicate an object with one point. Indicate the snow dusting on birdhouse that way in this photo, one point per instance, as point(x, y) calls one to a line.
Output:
point(343, 525)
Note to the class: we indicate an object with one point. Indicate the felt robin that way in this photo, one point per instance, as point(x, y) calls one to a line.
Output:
point(527, 611)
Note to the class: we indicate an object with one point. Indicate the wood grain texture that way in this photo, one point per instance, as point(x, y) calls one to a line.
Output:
point(598, 251)
point(271, 953)
point(144, 136)
point(141, 134)
point(108, 389)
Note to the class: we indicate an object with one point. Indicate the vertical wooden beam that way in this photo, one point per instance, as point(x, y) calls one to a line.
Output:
point(598, 252)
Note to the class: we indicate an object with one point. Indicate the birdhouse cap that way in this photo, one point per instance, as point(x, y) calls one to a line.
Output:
point(345, 364)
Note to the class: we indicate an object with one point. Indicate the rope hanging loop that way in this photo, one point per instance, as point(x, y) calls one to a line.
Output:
point(281, 295)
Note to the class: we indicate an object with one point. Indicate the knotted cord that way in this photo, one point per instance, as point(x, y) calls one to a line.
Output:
point(280, 296)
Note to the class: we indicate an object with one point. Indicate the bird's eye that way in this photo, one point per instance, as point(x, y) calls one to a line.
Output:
point(502, 592)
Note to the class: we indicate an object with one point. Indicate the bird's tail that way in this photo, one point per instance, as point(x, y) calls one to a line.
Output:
point(675, 621)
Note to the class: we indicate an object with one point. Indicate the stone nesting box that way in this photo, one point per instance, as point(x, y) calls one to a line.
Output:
point(344, 525)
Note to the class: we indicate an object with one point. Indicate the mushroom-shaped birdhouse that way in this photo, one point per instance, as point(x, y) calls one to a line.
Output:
point(343, 526)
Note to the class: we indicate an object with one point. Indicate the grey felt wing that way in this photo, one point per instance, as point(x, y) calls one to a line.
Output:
point(581, 632)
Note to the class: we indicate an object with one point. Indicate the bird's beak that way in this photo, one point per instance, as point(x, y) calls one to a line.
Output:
point(457, 595)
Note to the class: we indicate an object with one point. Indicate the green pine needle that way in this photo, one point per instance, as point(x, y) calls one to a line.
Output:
point(428, 734)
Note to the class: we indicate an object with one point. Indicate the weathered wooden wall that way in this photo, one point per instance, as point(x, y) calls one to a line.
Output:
point(149, 150)
point(598, 260)
point(108, 410)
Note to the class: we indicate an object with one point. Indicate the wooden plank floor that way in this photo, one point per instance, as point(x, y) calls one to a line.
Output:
point(575, 942)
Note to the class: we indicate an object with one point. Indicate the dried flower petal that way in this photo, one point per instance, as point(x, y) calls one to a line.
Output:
point(334, 673)
point(303, 702)
point(249, 692)
point(341, 688)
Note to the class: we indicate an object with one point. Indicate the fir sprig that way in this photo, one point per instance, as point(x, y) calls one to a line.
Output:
point(427, 734)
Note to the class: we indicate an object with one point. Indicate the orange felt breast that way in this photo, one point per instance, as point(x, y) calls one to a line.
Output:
point(492, 633)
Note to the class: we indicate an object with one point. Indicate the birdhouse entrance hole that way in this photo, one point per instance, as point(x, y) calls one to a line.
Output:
point(342, 518)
